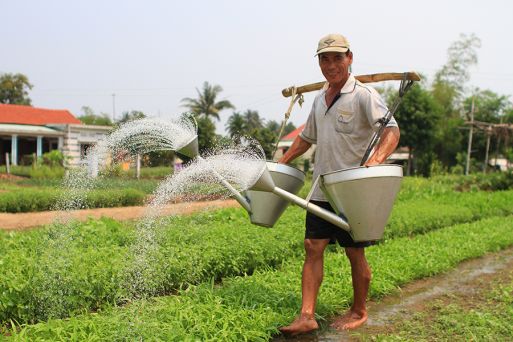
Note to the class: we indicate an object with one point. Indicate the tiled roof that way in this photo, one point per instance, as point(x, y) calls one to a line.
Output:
point(292, 135)
point(26, 115)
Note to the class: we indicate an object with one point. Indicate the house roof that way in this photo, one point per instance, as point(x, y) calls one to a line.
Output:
point(292, 135)
point(26, 115)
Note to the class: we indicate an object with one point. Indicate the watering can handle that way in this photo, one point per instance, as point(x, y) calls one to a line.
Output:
point(314, 185)
point(387, 76)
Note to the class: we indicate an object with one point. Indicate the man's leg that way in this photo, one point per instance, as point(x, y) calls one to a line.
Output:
point(313, 270)
point(361, 276)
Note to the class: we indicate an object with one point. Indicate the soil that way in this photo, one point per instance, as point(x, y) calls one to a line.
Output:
point(6, 176)
point(463, 285)
point(22, 221)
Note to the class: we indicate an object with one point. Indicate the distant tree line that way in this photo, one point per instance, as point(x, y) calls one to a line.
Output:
point(433, 116)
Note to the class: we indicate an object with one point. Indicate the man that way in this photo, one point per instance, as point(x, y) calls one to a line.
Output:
point(343, 118)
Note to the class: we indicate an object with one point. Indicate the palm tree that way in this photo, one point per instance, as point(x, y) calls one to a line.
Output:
point(206, 104)
point(253, 120)
point(236, 125)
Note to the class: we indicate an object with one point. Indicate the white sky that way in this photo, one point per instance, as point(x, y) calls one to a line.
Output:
point(151, 53)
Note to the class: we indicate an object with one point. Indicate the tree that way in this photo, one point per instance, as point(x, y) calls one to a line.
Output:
point(253, 120)
point(508, 116)
point(289, 127)
point(206, 133)
point(206, 104)
point(462, 55)
point(14, 89)
point(236, 125)
point(244, 124)
point(267, 140)
point(252, 125)
point(273, 126)
point(418, 115)
point(488, 107)
point(90, 118)
point(448, 90)
point(130, 116)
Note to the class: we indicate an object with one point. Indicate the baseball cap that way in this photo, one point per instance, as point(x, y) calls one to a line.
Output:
point(333, 42)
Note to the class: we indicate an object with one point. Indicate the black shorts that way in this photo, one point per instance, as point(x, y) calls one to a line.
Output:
point(317, 228)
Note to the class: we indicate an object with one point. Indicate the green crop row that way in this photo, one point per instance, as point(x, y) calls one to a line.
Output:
point(98, 257)
point(27, 200)
point(423, 215)
point(250, 308)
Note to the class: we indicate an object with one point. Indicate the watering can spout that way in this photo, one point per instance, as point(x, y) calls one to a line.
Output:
point(190, 149)
point(265, 181)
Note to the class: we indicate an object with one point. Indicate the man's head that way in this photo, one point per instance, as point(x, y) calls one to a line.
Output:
point(335, 58)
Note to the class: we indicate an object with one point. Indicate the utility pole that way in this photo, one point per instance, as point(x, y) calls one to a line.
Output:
point(497, 148)
point(488, 136)
point(469, 148)
point(113, 107)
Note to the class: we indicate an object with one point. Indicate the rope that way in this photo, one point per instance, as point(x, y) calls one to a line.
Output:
point(293, 99)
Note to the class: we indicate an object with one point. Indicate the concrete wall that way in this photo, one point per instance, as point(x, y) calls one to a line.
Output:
point(77, 135)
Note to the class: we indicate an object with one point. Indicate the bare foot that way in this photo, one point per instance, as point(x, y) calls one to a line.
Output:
point(350, 320)
point(301, 325)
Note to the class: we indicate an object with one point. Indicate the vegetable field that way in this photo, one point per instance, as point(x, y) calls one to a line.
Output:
point(214, 276)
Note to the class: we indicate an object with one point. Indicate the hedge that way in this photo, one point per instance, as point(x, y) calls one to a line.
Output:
point(28, 200)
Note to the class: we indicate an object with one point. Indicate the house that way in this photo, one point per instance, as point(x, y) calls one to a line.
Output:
point(285, 143)
point(27, 131)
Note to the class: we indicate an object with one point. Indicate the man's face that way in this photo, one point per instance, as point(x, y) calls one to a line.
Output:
point(335, 66)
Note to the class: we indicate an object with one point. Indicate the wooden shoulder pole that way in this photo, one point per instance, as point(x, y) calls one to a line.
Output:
point(389, 76)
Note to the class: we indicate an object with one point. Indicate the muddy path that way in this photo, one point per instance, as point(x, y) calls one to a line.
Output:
point(463, 283)
point(22, 221)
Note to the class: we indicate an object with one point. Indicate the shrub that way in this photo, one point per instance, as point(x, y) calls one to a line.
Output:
point(53, 158)
point(28, 200)
point(47, 172)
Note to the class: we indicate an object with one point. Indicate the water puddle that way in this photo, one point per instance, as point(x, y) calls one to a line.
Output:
point(460, 280)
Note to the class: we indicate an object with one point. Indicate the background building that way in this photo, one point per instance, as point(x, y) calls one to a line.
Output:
point(27, 131)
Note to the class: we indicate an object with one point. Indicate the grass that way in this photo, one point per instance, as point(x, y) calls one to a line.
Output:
point(252, 307)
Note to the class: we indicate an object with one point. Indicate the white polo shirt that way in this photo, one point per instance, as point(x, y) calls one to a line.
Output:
point(343, 132)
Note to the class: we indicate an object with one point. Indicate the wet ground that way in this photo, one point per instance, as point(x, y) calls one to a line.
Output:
point(464, 280)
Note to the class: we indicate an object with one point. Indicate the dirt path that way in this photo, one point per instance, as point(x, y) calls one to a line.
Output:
point(460, 284)
point(30, 220)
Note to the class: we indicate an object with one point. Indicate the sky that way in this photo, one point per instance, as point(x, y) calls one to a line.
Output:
point(116, 56)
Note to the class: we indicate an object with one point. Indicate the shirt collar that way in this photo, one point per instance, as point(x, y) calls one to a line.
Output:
point(348, 87)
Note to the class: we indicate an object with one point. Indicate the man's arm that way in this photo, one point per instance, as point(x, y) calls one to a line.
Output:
point(386, 146)
point(299, 146)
